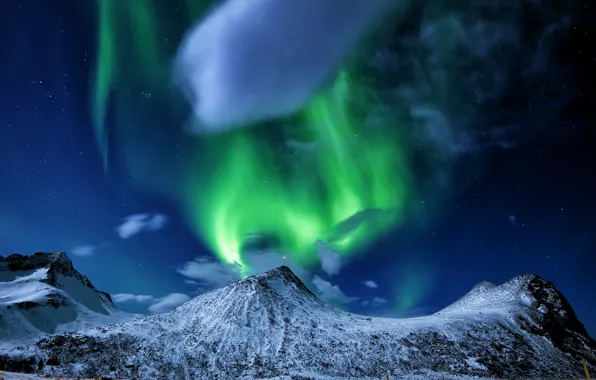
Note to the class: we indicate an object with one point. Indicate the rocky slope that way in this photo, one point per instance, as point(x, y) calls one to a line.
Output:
point(271, 325)
point(43, 294)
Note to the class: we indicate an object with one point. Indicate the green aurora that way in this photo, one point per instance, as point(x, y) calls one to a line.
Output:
point(346, 188)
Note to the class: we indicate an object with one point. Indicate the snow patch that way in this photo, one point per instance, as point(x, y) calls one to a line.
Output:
point(31, 308)
point(543, 309)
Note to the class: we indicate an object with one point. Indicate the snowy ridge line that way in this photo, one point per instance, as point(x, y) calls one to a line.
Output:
point(272, 326)
point(43, 294)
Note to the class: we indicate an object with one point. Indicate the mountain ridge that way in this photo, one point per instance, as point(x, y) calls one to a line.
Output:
point(271, 325)
point(56, 262)
point(43, 294)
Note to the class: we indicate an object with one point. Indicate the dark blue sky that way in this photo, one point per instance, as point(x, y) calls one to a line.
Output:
point(528, 209)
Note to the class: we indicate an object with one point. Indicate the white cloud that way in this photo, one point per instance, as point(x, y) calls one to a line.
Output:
point(210, 271)
point(226, 77)
point(370, 284)
point(157, 222)
point(378, 301)
point(158, 305)
point(137, 223)
point(127, 297)
point(330, 259)
point(331, 292)
point(167, 303)
point(131, 226)
point(83, 250)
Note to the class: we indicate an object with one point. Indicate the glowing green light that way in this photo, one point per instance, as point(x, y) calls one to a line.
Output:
point(248, 192)
point(233, 185)
point(106, 67)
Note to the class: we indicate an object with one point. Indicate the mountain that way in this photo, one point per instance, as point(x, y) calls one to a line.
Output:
point(43, 294)
point(272, 326)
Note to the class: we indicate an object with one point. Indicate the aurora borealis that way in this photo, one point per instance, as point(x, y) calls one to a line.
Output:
point(306, 205)
point(244, 185)
point(455, 145)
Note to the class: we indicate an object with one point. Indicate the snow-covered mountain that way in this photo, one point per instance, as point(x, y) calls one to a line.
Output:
point(271, 326)
point(43, 294)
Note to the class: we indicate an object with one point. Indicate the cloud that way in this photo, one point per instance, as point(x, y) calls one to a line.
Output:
point(83, 250)
point(476, 61)
point(167, 303)
point(363, 218)
point(331, 292)
point(330, 259)
point(158, 305)
point(86, 250)
point(127, 297)
point(134, 224)
point(224, 74)
point(378, 301)
point(157, 222)
point(370, 284)
point(209, 271)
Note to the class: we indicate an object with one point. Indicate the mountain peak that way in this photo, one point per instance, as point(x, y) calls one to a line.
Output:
point(60, 274)
point(44, 294)
point(281, 271)
point(527, 294)
point(551, 303)
point(484, 285)
point(284, 276)
point(264, 300)
point(18, 262)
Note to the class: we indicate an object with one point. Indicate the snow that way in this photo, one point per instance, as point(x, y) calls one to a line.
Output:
point(543, 309)
point(472, 362)
point(294, 375)
point(25, 288)
point(31, 308)
point(82, 294)
point(437, 375)
point(280, 287)
point(272, 326)
point(485, 296)
point(7, 276)
point(29, 376)
point(526, 300)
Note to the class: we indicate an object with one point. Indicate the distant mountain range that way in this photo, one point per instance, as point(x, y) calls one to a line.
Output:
point(54, 322)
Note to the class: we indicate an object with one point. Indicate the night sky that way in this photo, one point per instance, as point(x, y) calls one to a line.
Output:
point(505, 185)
